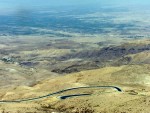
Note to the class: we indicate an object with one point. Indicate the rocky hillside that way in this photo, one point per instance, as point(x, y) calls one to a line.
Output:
point(134, 80)
point(129, 53)
point(108, 53)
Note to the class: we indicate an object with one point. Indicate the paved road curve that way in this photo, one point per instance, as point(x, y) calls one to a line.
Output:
point(59, 92)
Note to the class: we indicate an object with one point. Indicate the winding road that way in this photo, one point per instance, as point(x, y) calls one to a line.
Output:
point(59, 92)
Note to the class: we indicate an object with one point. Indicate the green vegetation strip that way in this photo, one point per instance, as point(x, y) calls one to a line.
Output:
point(62, 91)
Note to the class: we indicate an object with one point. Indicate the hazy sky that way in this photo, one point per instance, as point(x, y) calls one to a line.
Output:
point(15, 4)
point(5, 3)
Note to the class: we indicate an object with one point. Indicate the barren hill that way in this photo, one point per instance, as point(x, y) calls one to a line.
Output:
point(133, 80)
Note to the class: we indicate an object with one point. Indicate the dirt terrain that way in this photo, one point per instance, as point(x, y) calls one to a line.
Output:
point(133, 99)
point(43, 68)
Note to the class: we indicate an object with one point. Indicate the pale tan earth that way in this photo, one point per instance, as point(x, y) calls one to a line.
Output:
point(19, 82)
point(133, 80)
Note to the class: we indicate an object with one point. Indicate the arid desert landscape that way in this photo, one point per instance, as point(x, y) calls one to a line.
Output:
point(52, 66)
point(89, 59)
